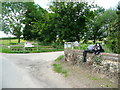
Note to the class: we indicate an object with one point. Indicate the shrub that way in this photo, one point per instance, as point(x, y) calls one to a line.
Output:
point(98, 59)
point(83, 46)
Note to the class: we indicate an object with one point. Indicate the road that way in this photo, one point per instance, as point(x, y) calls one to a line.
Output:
point(31, 70)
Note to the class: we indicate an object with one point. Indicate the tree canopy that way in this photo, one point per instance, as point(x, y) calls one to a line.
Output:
point(12, 15)
point(65, 21)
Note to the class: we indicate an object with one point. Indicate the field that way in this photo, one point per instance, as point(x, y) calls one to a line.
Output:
point(9, 42)
point(20, 48)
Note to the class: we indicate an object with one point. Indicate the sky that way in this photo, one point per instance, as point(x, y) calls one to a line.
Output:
point(45, 4)
point(104, 3)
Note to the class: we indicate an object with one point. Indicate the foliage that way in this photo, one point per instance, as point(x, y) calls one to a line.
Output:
point(113, 39)
point(65, 21)
point(34, 22)
point(58, 68)
point(13, 14)
point(107, 49)
point(98, 59)
point(99, 25)
point(83, 46)
point(71, 19)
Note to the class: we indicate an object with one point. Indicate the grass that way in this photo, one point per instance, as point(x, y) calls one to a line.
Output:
point(59, 69)
point(42, 48)
point(12, 41)
point(94, 78)
point(60, 57)
point(6, 50)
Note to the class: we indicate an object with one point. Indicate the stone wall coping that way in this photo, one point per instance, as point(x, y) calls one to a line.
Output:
point(105, 54)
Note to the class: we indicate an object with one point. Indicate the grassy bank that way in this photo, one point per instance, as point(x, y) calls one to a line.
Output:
point(57, 67)
point(80, 73)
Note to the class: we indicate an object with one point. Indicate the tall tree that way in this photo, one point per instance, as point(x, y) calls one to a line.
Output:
point(34, 19)
point(12, 15)
point(113, 39)
point(98, 27)
point(71, 19)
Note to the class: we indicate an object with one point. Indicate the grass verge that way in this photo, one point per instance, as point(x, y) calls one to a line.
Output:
point(60, 57)
point(58, 68)
point(6, 50)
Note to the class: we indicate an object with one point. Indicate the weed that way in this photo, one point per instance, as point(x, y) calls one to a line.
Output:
point(98, 59)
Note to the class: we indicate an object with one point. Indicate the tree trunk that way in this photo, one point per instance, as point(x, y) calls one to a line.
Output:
point(18, 39)
point(94, 41)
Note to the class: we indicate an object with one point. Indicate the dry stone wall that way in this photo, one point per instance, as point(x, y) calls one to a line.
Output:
point(104, 63)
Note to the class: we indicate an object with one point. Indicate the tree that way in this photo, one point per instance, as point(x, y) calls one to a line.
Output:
point(13, 14)
point(113, 39)
point(71, 19)
point(98, 27)
point(34, 21)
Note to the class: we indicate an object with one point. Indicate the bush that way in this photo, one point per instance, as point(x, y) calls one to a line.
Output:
point(90, 42)
point(83, 46)
point(57, 45)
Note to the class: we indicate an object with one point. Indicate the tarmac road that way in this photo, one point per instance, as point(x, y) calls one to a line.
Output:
point(32, 70)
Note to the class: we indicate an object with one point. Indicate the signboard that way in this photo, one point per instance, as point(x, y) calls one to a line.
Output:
point(28, 44)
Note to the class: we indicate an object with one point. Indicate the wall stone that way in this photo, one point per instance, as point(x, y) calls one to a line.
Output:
point(104, 63)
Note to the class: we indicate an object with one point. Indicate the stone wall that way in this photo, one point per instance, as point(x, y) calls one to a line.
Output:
point(104, 63)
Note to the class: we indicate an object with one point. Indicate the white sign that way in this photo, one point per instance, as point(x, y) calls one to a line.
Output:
point(28, 44)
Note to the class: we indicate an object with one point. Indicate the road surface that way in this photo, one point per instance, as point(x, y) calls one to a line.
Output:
point(31, 70)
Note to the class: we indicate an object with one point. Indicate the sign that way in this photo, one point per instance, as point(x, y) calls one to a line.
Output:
point(28, 44)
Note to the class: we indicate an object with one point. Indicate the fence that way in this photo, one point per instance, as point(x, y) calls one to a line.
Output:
point(22, 47)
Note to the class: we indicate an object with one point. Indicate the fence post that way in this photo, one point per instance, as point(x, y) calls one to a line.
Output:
point(37, 46)
point(79, 45)
point(72, 44)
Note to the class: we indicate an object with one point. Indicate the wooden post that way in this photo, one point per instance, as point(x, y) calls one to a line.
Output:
point(79, 45)
point(72, 45)
point(37, 47)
